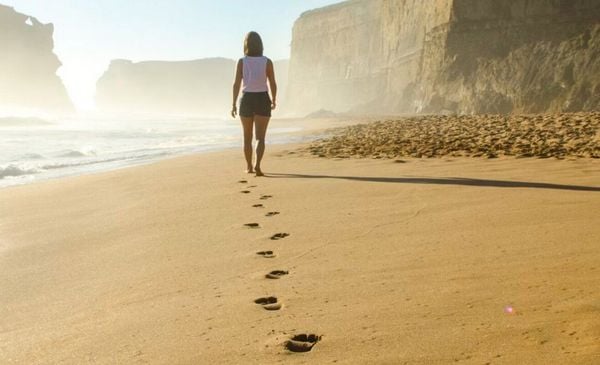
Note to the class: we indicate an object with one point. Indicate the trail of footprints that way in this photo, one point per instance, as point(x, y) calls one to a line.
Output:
point(298, 342)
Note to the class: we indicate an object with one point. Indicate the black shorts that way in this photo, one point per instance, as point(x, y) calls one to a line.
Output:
point(255, 104)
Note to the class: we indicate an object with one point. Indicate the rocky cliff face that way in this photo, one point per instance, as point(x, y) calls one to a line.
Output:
point(28, 80)
point(460, 56)
point(515, 56)
point(333, 63)
point(194, 88)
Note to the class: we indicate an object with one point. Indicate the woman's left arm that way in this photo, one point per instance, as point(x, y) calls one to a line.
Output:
point(272, 83)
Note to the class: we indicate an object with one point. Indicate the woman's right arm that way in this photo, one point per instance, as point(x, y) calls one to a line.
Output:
point(237, 83)
point(272, 83)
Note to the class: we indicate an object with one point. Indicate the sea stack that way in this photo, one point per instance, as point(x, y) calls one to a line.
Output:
point(28, 65)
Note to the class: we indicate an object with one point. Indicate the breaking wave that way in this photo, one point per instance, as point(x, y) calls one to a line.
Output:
point(14, 170)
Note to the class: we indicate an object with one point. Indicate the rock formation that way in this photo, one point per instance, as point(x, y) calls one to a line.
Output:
point(558, 135)
point(183, 88)
point(28, 80)
point(457, 56)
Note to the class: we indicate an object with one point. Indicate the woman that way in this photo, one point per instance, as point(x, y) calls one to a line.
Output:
point(255, 70)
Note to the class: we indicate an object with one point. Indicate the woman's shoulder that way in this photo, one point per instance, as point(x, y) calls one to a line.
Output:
point(253, 59)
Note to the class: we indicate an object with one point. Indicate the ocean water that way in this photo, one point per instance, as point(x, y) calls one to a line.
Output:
point(32, 150)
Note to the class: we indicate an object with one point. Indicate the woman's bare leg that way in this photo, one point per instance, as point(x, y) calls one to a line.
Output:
point(247, 124)
point(260, 124)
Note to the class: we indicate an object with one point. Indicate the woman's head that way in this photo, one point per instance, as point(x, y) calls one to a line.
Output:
point(253, 45)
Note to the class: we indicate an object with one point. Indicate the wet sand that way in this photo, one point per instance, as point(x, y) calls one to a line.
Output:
point(418, 261)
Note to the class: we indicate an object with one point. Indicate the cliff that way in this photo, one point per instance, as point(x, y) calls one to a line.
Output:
point(459, 56)
point(193, 88)
point(28, 80)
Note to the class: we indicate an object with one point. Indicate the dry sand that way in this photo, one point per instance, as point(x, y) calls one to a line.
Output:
point(431, 261)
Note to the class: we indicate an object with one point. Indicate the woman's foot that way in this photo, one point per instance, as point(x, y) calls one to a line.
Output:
point(249, 170)
point(258, 171)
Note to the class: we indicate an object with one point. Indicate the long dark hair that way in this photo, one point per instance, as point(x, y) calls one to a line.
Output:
point(253, 45)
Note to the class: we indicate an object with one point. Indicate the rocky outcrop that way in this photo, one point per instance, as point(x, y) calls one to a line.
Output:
point(28, 80)
point(457, 56)
point(558, 135)
point(184, 88)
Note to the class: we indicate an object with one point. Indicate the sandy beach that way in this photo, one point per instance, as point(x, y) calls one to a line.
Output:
point(374, 260)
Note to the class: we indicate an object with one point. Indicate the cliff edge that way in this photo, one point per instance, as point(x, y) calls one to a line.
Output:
point(447, 56)
point(28, 80)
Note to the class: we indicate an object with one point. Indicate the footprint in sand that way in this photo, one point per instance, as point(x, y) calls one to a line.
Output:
point(252, 225)
point(243, 181)
point(258, 206)
point(276, 274)
point(270, 214)
point(266, 254)
point(265, 197)
point(302, 343)
point(279, 236)
point(245, 191)
point(251, 186)
point(269, 303)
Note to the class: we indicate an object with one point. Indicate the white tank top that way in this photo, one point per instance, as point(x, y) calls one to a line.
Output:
point(255, 74)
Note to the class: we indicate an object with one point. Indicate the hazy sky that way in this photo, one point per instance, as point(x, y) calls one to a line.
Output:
point(89, 33)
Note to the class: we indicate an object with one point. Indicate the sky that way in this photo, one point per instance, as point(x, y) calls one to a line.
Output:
point(90, 33)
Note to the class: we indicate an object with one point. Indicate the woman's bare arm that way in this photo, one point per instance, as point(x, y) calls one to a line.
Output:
point(237, 83)
point(272, 83)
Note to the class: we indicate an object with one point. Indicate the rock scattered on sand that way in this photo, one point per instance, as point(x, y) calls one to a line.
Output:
point(544, 136)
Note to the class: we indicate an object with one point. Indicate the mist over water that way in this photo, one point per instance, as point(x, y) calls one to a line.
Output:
point(34, 149)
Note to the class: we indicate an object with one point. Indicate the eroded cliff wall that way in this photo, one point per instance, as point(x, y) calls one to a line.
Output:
point(360, 55)
point(465, 56)
point(28, 80)
point(514, 56)
point(332, 63)
point(194, 88)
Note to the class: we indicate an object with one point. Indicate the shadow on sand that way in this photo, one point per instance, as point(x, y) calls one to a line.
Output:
point(445, 181)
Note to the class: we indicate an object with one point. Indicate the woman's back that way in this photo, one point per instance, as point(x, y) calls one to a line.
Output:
point(255, 74)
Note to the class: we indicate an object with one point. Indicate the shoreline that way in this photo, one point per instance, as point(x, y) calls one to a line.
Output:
point(302, 131)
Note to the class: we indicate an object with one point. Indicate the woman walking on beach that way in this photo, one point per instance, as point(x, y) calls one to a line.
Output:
point(255, 70)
